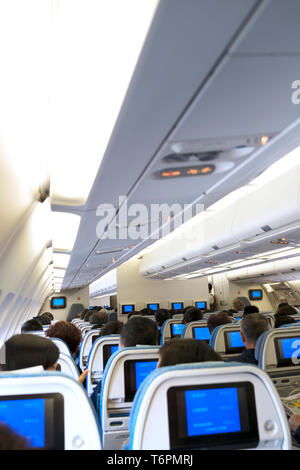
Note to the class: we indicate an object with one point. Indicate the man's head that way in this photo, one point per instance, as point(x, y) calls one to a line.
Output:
point(192, 314)
point(98, 318)
point(250, 309)
point(284, 320)
point(161, 316)
point(139, 330)
point(28, 350)
point(217, 319)
point(252, 326)
point(238, 305)
point(286, 310)
point(31, 325)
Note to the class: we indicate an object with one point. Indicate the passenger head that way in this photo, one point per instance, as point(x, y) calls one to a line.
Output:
point(252, 326)
point(184, 351)
point(192, 314)
point(217, 319)
point(22, 351)
point(133, 314)
point(48, 315)
point(31, 325)
point(98, 318)
point(147, 311)
point(83, 313)
point(161, 316)
point(282, 304)
point(87, 314)
point(283, 320)
point(139, 330)
point(286, 310)
point(112, 328)
point(44, 319)
point(11, 440)
point(238, 305)
point(68, 332)
point(250, 309)
point(209, 287)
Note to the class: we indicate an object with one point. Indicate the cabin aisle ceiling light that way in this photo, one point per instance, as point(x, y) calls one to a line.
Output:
point(64, 228)
point(95, 48)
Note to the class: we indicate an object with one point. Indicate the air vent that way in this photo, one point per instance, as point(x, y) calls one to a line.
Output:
point(111, 250)
point(266, 228)
point(215, 247)
point(192, 157)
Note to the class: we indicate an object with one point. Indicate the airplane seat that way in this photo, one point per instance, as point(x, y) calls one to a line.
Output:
point(99, 354)
point(170, 409)
point(196, 330)
point(86, 328)
point(74, 310)
point(31, 403)
point(290, 325)
point(123, 374)
point(226, 340)
point(178, 316)
point(68, 366)
point(168, 331)
point(62, 345)
point(278, 352)
point(270, 318)
point(85, 347)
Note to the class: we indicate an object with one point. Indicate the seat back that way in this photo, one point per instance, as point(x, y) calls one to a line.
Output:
point(100, 352)
point(208, 405)
point(270, 317)
point(122, 376)
point(196, 330)
point(85, 347)
point(68, 366)
point(226, 340)
point(58, 404)
point(62, 346)
point(171, 330)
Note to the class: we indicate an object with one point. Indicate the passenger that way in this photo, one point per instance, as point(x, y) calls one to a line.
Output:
point(11, 440)
point(147, 311)
point(44, 319)
point(133, 314)
point(137, 331)
point(98, 318)
point(282, 304)
point(184, 351)
point(83, 313)
point(284, 320)
point(286, 310)
point(250, 309)
point(69, 333)
point(211, 299)
point(294, 423)
point(252, 326)
point(48, 314)
point(31, 325)
point(238, 305)
point(88, 314)
point(161, 316)
point(191, 314)
point(23, 351)
point(217, 319)
point(111, 328)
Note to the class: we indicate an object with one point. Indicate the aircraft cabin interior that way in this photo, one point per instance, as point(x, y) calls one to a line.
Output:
point(150, 225)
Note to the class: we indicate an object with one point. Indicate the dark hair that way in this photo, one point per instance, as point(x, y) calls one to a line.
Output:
point(111, 328)
point(192, 314)
point(48, 315)
point(28, 350)
point(286, 310)
point(209, 287)
point(98, 318)
point(88, 314)
point(31, 325)
point(66, 331)
point(217, 319)
point(139, 330)
point(133, 314)
point(184, 351)
point(282, 304)
point(161, 316)
point(147, 311)
point(250, 309)
point(84, 312)
point(43, 319)
point(11, 440)
point(283, 320)
point(253, 325)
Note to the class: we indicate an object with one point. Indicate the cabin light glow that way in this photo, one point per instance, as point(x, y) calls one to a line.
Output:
point(61, 260)
point(64, 228)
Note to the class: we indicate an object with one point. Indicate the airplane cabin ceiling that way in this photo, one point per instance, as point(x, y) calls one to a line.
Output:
point(212, 76)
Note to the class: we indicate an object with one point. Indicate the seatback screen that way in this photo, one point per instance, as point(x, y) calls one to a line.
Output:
point(176, 329)
point(108, 350)
point(287, 351)
point(201, 333)
point(58, 302)
point(154, 307)
point(233, 342)
point(38, 418)
point(135, 372)
point(201, 305)
point(213, 416)
point(177, 305)
point(127, 308)
point(255, 294)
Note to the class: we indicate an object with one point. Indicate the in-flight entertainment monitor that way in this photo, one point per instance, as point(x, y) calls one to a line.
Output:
point(153, 307)
point(255, 294)
point(233, 342)
point(135, 371)
point(176, 330)
point(177, 305)
point(58, 302)
point(287, 351)
point(201, 304)
point(128, 308)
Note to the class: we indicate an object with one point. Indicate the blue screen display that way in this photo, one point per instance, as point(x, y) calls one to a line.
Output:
point(287, 347)
point(177, 306)
point(202, 333)
point(201, 305)
point(153, 306)
point(127, 308)
point(212, 411)
point(177, 329)
point(26, 417)
point(142, 370)
point(236, 340)
point(256, 294)
point(58, 302)
point(113, 349)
